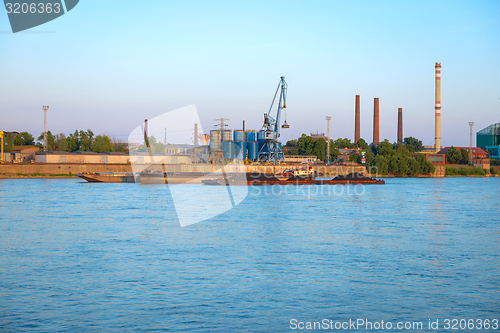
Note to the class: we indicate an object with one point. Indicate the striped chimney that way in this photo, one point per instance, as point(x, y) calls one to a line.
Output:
point(437, 146)
point(400, 125)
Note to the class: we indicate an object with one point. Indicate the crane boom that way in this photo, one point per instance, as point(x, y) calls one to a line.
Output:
point(270, 151)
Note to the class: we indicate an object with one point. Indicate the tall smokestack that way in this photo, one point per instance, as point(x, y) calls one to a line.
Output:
point(376, 136)
point(400, 125)
point(195, 134)
point(356, 130)
point(438, 107)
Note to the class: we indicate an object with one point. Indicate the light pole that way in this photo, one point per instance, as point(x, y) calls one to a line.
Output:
point(471, 123)
point(45, 143)
point(328, 118)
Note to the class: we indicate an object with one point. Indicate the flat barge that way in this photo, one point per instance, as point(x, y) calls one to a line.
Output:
point(260, 180)
point(108, 177)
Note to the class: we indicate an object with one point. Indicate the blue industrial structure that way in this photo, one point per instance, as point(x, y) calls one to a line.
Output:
point(269, 148)
point(256, 146)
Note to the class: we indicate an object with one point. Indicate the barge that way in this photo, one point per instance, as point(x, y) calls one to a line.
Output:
point(263, 179)
point(108, 177)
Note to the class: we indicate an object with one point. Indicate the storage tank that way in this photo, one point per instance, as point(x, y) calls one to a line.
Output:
point(238, 136)
point(250, 136)
point(253, 150)
point(227, 135)
point(228, 149)
point(240, 150)
point(215, 140)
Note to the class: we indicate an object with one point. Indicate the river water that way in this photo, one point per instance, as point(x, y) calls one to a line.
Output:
point(77, 256)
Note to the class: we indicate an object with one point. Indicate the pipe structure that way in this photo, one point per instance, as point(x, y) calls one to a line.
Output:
point(357, 134)
point(195, 134)
point(45, 142)
point(376, 136)
point(437, 146)
point(400, 125)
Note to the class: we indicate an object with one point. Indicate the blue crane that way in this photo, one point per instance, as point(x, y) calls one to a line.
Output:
point(270, 150)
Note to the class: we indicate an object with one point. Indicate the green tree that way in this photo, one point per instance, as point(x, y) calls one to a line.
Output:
point(380, 165)
point(306, 145)
point(465, 156)
point(8, 144)
point(355, 157)
point(86, 140)
point(50, 140)
point(413, 145)
point(119, 148)
point(361, 143)
point(393, 164)
point(60, 142)
point(102, 143)
point(400, 148)
point(71, 143)
point(320, 149)
point(343, 143)
point(24, 139)
point(292, 143)
point(414, 167)
point(334, 152)
point(453, 155)
point(385, 148)
point(292, 151)
point(369, 156)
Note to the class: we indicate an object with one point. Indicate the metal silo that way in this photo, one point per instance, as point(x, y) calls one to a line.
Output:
point(215, 140)
point(238, 136)
point(228, 147)
point(227, 135)
point(250, 136)
point(253, 150)
point(240, 150)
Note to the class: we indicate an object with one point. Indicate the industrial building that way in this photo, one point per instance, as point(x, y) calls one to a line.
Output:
point(88, 157)
point(489, 139)
point(476, 152)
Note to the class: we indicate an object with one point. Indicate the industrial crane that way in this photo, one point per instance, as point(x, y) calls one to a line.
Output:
point(270, 132)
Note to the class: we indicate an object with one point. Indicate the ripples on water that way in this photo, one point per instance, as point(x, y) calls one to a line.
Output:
point(112, 257)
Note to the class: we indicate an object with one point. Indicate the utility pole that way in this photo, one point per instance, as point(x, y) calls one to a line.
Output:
point(328, 118)
point(471, 123)
point(45, 143)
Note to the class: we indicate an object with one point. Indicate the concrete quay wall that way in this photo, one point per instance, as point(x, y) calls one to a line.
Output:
point(67, 168)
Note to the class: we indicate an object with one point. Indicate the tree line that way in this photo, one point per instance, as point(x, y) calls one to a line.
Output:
point(77, 141)
point(383, 158)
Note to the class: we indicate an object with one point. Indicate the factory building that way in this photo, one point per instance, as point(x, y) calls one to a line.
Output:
point(476, 152)
point(489, 139)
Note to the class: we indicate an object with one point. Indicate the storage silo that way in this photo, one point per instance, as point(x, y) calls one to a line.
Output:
point(253, 150)
point(238, 136)
point(215, 140)
point(228, 147)
point(240, 150)
point(227, 135)
point(250, 136)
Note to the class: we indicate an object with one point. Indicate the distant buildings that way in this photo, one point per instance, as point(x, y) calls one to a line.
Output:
point(476, 152)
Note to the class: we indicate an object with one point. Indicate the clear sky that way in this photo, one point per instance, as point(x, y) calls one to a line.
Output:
point(107, 65)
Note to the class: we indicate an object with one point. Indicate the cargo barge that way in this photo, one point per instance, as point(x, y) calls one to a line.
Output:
point(108, 177)
point(263, 179)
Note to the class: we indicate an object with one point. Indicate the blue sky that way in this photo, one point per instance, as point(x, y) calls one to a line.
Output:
point(107, 65)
